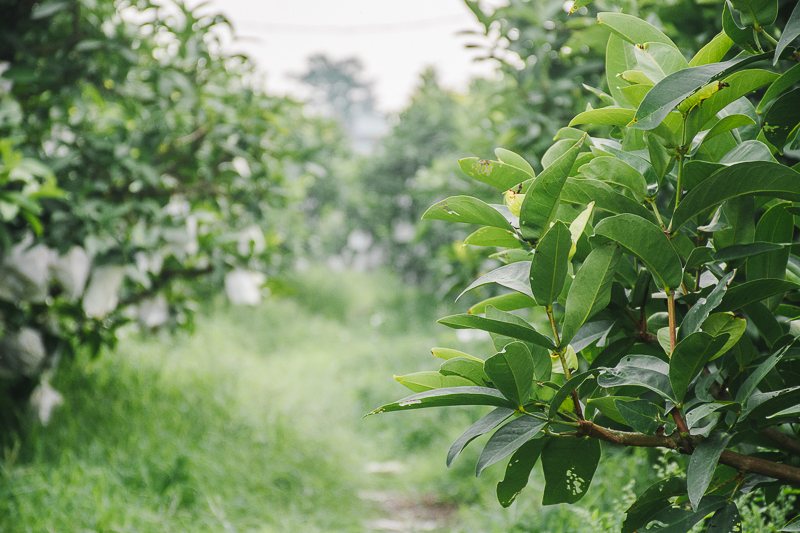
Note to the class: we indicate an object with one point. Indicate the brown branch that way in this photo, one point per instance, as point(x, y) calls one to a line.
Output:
point(784, 441)
point(755, 465)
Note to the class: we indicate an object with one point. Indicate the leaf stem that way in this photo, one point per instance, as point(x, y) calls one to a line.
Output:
point(549, 310)
point(672, 328)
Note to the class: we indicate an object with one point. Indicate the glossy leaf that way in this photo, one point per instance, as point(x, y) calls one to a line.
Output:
point(447, 397)
point(583, 192)
point(724, 324)
point(743, 251)
point(675, 88)
point(490, 236)
point(703, 307)
point(516, 331)
point(467, 210)
point(515, 160)
point(737, 180)
point(782, 118)
point(744, 37)
point(619, 58)
point(501, 176)
point(702, 464)
point(633, 29)
point(694, 416)
point(649, 243)
point(758, 374)
point(608, 406)
point(739, 296)
point(689, 357)
point(449, 353)
point(519, 470)
point(611, 116)
point(764, 320)
point(544, 195)
point(428, 380)
point(616, 172)
point(481, 427)
point(511, 372)
point(757, 13)
point(713, 52)
point(681, 519)
point(569, 465)
point(657, 60)
point(775, 226)
point(564, 392)
point(508, 439)
point(790, 33)
point(641, 415)
point(548, 269)
point(641, 370)
point(590, 290)
point(728, 123)
point(779, 86)
point(514, 276)
point(466, 367)
point(505, 302)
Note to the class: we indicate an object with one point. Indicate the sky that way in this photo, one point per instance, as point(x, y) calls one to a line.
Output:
point(394, 39)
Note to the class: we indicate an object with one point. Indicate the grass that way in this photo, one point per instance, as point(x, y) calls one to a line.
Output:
point(254, 423)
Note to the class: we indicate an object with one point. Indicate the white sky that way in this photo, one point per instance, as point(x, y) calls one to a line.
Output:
point(394, 39)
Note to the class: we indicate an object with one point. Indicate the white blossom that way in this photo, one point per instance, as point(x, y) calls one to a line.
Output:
point(101, 296)
point(243, 287)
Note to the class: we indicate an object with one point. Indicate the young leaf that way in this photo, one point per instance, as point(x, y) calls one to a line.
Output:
point(466, 367)
point(447, 397)
point(514, 276)
point(649, 243)
point(641, 370)
point(505, 302)
point(511, 372)
point(428, 380)
point(519, 470)
point(548, 269)
point(448, 353)
point(755, 177)
point(611, 116)
point(700, 310)
point(490, 236)
point(713, 52)
point(481, 427)
point(702, 464)
point(467, 210)
point(515, 160)
point(590, 290)
point(501, 176)
point(569, 465)
point(516, 331)
point(544, 195)
point(689, 357)
point(790, 33)
point(508, 439)
point(633, 29)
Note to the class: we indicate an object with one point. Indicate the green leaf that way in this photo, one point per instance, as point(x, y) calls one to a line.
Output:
point(448, 353)
point(512, 256)
point(508, 439)
point(681, 519)
point(742, 251)
point(782, 118)
point(689, 357)
point(755, 177)
point(641, 370)
point(652, 500)
point(785, 82)
point(564, 392)
point(481, 427)
point(569, 464)
point(794, 523)
point(790, 33)
point(764, 320)
point(543, 196)
point(619, 58)
point(775, 226)
point(590, 290)
point(447, 397)
point(633, 29)
point(694, 416)
point(720, 324)
point(429, 380)
point(555, 151)
point(505, 302)
point(515, 160)
point(675, 88)
point(757, 13)
point(514, 276)
point(466, 367)
point(468, 210)
point(608, 406)
point(548, 270)
point(713, 52)
point(515, 331)
point(657, 60)
point(611, 116)
point(758, 374)
point(700, 310)
point(583, 192)
point(728, 123)
point(519, 470)
point(511, 372)
point(702, 464)
point(489, 236)
point(614, 171)
point(641, 415)
point(648, 242)
point(744, 37)
point(741, 295)
point(726, 520)
point(502, 176)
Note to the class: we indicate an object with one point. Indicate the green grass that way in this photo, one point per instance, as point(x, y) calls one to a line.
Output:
point(254, 423)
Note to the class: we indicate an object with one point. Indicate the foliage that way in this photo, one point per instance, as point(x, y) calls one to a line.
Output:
point(139, 166)
point(663, 257)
